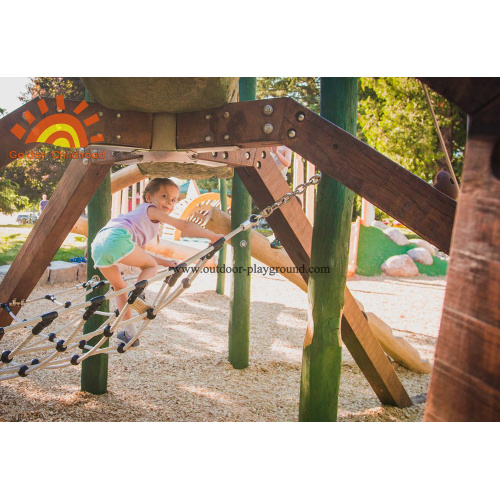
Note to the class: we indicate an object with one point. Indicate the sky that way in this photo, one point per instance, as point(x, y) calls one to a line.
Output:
point(10, 90)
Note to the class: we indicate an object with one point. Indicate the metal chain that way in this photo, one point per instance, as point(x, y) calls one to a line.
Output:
point(287, 197)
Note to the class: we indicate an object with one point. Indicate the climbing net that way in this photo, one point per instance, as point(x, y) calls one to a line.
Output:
point(68, 344)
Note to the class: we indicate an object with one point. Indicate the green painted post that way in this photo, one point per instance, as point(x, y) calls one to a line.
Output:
point(322, 355)
point(94, 377)
point(241, 206)
point(221, 263)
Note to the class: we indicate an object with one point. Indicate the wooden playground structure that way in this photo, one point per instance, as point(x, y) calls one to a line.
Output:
point(213, 135)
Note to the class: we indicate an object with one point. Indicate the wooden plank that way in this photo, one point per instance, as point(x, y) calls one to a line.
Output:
point(465, 384)
point(471, 94)
point(76, 188)
point(265, 185)
point(310, 198)
point(395, 190)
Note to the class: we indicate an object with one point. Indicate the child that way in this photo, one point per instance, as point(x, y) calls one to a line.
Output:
point(124, 237)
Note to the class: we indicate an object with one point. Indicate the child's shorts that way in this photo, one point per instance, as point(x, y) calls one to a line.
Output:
point(110, 246)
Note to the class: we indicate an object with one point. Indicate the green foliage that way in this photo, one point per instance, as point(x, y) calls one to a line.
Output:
point(10, 201)
point(303, 89)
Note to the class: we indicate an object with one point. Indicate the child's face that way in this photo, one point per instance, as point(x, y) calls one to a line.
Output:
point(165, 198)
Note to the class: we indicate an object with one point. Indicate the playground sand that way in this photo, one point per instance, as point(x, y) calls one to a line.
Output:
point(181, 372)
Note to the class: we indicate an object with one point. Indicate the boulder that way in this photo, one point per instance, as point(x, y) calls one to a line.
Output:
point(379, 224)
point(424, 244)
point(397, 236)
point(62, 272)
point(401, 266)
point(421, 255)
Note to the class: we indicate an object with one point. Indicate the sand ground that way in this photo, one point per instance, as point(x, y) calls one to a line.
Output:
point(181, 372)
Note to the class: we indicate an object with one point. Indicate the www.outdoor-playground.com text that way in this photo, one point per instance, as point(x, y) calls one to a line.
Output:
point(271, 271)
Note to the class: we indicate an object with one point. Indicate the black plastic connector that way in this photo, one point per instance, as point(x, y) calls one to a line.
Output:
point(60, 347)
point(47, 319)
point(51, 337)
point(35, 361)
point(253, 218)
point(186, 283)
point(95, 304)
point(50, 297)
point(139, 288)
point(117, 312)
point(178, 272)
point(217, 246)
point(74, 359)
point(107, 331)
point(121, 348)
point(82, 344)
point(98, 285)
point(2, 332)
point(150, 314)
point(67, 304)
point(22, 371)
point(5, 357)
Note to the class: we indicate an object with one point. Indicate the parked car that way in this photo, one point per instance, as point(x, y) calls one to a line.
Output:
point(27, 218)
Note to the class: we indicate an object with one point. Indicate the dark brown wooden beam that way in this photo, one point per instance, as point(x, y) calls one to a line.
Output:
point(383, 182)
point(465, 382)
point(125, 129)
point(471, 94)
point(76, 188)
point(266, 185)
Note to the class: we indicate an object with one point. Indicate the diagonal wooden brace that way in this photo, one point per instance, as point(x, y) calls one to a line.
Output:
point(76, 188)
point(265, 184)
point(368, 173)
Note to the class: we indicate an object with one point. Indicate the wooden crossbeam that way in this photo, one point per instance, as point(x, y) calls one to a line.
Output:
point(265, 184)
point(381, 181)
point(76, 188)
point(100, 125)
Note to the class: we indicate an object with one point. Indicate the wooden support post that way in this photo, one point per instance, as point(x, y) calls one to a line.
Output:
point(465, 382)
point(310, 192)
point(221, 277)
point(241, 206)
point(75, 189)
point(94, 378)
point(291, 226)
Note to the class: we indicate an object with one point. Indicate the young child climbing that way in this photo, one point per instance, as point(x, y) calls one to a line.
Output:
point(124, 237)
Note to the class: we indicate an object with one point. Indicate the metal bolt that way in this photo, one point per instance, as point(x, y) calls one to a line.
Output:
point(85, 161)
point(214, 155)
point(300, 117)
point(118, 115)
point(100, 113)
point(264, 154)
point(208, 138)
point(267, 110)
point(118, 137)
point(243, 243)
point(226, 114)
point(335, 146)
point(292, 133)
point(226, 137)
point(59, 110)
point(208, 116)
point(225, 155)
point(267, 128)
point(247, 155)
point(259, 164)
point(95, 151)
point(82, 150)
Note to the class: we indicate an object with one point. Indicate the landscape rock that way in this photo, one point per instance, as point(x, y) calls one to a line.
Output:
point(397, 236)
point(62, 272)
point(82, 271)
point(379, 224)
point(424, 244)
point(401, 266)
point(421, 255)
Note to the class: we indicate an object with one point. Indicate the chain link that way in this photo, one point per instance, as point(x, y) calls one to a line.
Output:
point(287, 197)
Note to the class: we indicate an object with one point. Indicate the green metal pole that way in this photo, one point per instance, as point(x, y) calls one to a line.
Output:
point(94, 377)
point(221, 263)
point(322, 355)
point(241, 206)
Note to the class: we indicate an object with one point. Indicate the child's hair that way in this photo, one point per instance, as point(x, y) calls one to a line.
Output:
point(155, 184)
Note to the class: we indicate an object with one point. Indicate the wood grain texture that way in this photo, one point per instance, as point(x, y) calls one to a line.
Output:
point(68, 202)
point(393, 189)
point(465, 384)
point(291, 226)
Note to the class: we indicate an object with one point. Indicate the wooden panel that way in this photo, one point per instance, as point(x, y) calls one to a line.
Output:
point(383, 182)
point(291, 226)
point(465, 384)
point(310, 201)
point(69, 200)
point(471, 94)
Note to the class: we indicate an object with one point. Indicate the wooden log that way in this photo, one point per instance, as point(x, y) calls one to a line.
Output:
point(125, 177)
point(465, 383)
point(76, 188)
point(392, 188)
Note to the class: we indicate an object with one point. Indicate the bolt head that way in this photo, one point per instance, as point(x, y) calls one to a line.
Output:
point(95, 151)
point(226, 114)
point(292, 133)
point(59, 110)
point(264, 154)
point(118, 137)
point(226, 137)
point(267, 128)
point(118, 115)
point(247, 155)
point(267, 110)
point(85, 161)
point(208, 116)
point(208, 138)
point(225, 155)
point(214, 154)
point(300, 117)
point(100, 113)
point(243, 243)
point(259, 164)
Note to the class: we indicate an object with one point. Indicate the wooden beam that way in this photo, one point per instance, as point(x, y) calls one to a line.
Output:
point(471, 94)
point(395, 190)
point(290, 225)
point(465, 382)
point(76, 188)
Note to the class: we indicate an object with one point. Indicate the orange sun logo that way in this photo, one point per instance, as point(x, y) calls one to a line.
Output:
point(61, 129)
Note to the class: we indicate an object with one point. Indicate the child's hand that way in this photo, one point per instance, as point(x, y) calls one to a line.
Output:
point(216, 237)
point(171, 263)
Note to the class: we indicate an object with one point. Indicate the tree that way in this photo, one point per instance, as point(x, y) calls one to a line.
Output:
point(10, 201)
point(303, 89)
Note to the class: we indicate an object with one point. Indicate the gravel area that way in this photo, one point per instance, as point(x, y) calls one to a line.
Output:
point(181, 372)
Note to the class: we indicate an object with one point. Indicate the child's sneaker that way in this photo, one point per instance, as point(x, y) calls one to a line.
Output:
point(127, 335)
point(276, 244)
